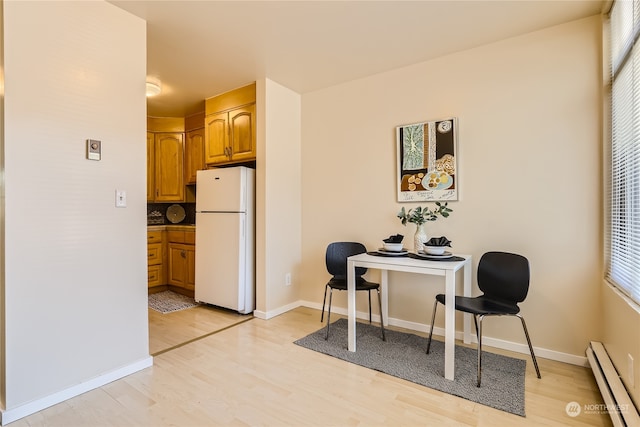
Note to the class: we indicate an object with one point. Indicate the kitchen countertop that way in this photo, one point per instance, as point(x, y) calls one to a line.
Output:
point(172, 227)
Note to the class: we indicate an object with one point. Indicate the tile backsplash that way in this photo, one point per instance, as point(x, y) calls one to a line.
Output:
point(157, 213)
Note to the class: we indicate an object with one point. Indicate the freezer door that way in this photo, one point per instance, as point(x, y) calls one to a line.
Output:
point(221, 190)
point(221, 267)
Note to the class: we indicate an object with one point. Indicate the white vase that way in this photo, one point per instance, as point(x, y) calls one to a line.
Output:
point(420, 238)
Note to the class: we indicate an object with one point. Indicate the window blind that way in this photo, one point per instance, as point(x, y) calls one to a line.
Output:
point(623, 237)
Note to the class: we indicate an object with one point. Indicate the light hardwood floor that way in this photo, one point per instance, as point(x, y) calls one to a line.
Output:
point(253, 374)
point(169, 330)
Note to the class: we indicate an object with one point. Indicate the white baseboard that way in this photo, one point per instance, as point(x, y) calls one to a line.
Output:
point(266, 315)
point(13, 414)
point(492, 342)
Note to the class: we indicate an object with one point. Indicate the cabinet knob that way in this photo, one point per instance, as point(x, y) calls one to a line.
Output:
point(183, 254)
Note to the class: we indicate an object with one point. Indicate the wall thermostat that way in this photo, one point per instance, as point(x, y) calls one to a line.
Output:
point(93, 149)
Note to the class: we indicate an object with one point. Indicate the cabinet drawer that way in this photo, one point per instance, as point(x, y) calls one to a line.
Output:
point(154, 277)
point(154, 236)
point(154, 254)
point(184, 237)
point(175, 236)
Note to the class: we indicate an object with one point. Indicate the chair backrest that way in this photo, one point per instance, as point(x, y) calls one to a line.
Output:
point(336, 258)
point(504, 276)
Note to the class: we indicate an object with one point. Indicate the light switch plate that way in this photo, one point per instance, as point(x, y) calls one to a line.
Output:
point(121, 199)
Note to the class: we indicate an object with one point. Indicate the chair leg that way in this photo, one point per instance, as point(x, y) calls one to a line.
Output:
point(533, 356)
point(479, 332)
point(324, 300)
point(381, 319)
point(329, 314)
point(433, 319)
point(369, 291)
point(475, 321)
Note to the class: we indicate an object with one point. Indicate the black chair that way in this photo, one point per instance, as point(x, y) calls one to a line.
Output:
point(336, 259)
point(504, 279)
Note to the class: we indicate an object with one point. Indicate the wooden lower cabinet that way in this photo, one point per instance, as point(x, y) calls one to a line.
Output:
point(155, 259)
point(171, 260)
point(182, 259)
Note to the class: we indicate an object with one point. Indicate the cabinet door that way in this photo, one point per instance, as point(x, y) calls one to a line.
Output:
point(242, 130)
point(194, 154)
point(191, 267)
point(177, 265)
point(151, 167)
point(169, 167)
point(216, 142)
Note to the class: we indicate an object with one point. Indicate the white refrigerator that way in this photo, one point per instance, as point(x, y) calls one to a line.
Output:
point(225, 228)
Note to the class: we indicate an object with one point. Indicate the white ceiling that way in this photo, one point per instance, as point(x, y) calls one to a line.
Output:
point(199, 49)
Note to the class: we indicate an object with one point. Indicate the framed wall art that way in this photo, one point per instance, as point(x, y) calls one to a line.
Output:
point(427, 167)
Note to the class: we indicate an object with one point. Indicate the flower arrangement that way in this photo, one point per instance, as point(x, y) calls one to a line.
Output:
point(421, 215)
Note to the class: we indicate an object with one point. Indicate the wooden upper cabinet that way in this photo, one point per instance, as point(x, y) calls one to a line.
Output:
point(169, 162)
point(151, 167)
point(230, 126)
point(242, 129)
point(231, 136)
point(194, 154)
point(216, 138)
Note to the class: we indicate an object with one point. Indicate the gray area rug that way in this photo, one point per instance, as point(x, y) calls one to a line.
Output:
point(403, 355)
point(168, 302)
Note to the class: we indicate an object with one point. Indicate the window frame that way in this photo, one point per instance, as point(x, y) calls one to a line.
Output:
point(622, 207)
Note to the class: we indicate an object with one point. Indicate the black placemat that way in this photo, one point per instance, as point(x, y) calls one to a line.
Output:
point(375, 253)
point(453, 258)
point(414, 256)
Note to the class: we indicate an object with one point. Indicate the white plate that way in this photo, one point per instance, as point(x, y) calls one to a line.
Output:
point(426, 255)
point(392, 253)
point(175, 213)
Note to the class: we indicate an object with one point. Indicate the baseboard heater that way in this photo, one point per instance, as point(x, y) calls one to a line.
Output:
point(616, 398)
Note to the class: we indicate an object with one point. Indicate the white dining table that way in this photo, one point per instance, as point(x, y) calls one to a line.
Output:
point(407, 264)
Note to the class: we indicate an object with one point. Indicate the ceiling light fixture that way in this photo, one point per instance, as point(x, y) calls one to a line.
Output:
point(154, 87)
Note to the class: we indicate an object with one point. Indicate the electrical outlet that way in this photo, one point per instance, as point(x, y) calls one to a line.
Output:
point(287, 279)
point(630, 372)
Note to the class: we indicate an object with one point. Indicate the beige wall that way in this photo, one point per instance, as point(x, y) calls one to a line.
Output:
point(529, 165)
point(278, 200)
point(75, 277)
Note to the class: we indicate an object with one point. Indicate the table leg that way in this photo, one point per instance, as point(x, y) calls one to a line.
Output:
point(384, 294)
point(467, 293)
point(351, 305)
point(449, 325)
